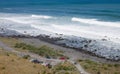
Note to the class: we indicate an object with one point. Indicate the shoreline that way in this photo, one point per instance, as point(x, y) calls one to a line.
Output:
point(54, 40)
point(71, 52)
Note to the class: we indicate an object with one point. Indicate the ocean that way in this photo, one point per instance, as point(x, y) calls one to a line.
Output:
point(90, 20)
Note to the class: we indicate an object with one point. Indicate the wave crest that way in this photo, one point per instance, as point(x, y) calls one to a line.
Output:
point(41, 16)
point(96, 22)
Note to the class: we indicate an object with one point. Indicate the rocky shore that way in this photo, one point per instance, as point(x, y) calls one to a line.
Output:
point(101, 48)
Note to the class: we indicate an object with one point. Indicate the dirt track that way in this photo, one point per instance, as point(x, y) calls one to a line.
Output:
point(71, 53)
point(35, 56)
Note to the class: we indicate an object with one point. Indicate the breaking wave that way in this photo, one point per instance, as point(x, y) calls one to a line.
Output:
point(96, 22)
point(90, 28)
point(41, 16)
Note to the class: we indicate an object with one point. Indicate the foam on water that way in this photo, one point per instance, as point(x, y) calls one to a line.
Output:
point(96, 22)
point(89, 28)
point(41, 16)
point(73, 30)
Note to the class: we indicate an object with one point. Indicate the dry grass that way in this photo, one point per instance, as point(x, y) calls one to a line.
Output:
point(11, 64)
point(11, 42)
point(100, 68)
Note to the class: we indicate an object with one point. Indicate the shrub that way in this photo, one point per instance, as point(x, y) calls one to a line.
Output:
point(65, 67)
point(12, 60)
point(116, 73)
point(116, 65)
point(105, 68)
point(7, 54)
point(26, 56)
point(3, 68)
point(34, 66)
point(85, 66)
point(42, 51)
point(98, 72)
point(109, 65)
point(80, 60)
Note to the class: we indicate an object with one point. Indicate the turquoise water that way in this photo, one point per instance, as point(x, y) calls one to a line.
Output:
point(78, 19)
point(81, 18)
point(54, 8)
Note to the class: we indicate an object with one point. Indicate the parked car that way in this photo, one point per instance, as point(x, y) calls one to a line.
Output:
point(36, 61)
point(62, 58)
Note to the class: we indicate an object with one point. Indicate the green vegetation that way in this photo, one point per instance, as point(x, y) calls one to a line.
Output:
point(100, 68)
point(65, 68)
point(42, 51)
point(26, 56)
point(13, 64)
point(23, 47)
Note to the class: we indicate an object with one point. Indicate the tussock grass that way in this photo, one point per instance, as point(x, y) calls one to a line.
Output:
point(100, 68)
point(12, 64)
point(65, 68)
point(9, 40)
point(42, 51)
point(23, 47)
point(15, 65)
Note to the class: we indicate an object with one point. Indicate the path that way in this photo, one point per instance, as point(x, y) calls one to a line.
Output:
point(71, 53)
point(32, 55)
point(79, 67)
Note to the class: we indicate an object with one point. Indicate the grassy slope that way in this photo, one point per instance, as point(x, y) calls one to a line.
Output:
point(11, 64)
point(65, 68)
point(43, 50)
point(10, 41)
point(88, 65)
point(100, 68)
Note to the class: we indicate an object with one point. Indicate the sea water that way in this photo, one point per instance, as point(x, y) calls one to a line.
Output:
point(70, 17)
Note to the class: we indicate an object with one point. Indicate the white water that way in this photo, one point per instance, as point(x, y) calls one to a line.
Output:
point(74, 30)
point(96, 22)
point(42, 17)
point(37, 24)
